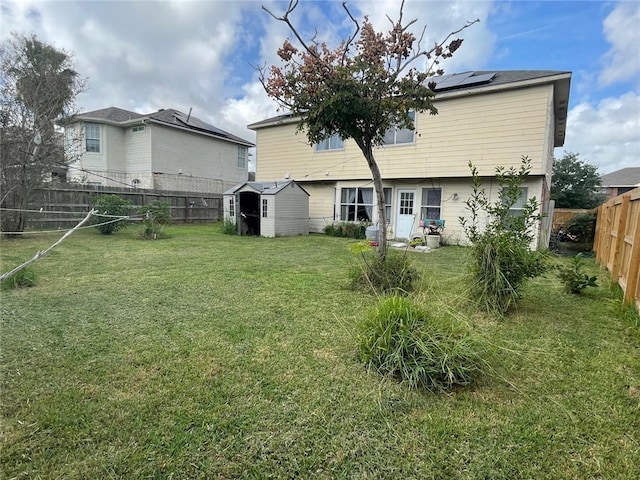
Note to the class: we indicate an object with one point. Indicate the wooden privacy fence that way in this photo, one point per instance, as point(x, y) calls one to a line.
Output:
point(562, 215)
point(74, 200)
point(617, 242)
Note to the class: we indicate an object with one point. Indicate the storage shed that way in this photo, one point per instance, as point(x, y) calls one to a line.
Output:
point(268, 209)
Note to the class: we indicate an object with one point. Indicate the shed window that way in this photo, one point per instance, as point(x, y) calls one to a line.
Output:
point(232, 209)
point(265, 210)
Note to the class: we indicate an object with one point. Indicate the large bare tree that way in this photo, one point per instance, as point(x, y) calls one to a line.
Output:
point(39, 86)
point(370, 83)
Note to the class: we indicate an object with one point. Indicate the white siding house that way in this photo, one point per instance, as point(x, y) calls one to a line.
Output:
point(268, 209)
point(164, 150)
point(489, 118)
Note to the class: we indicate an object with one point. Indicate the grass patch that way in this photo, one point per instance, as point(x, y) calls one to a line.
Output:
point(215, 356)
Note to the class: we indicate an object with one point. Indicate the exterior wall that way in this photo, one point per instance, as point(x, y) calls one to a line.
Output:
point(138, 156)
point(268, 223)
point(325, 199)
point(180, 152)
point(91, 161)
point(290, 207)
point(489, 129)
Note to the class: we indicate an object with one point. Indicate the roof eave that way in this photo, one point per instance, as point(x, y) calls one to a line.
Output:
point(202, 132)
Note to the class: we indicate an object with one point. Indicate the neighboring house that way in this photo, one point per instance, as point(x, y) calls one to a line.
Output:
point(619, 182)
point(268, 209)
point(488, 118)
point(164, 150)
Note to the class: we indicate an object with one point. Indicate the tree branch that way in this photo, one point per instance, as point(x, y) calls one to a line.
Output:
point(285, 18)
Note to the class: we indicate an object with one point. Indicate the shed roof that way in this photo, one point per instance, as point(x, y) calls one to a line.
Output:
point(626, 177)
point(265, 188)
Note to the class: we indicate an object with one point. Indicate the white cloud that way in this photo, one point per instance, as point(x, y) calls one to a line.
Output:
point(622, 30)
point(607, 135)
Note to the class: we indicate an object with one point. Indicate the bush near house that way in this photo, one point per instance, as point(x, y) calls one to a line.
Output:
point(355, 230)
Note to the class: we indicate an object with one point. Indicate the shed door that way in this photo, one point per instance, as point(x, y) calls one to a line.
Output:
point(406, 213)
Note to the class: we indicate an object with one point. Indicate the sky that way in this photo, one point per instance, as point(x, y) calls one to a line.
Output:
point(202, 55)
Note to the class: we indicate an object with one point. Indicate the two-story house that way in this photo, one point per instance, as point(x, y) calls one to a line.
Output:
point(163, 150)
point(488, 118)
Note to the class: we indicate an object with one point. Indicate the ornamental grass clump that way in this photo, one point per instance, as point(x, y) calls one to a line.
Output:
point(391, 274)
point(501, 257)
point(423, 348)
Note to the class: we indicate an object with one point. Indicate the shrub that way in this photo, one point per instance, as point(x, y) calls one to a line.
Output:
point(25, 277)
point(501, 255)
point(392, 274)
point(110, 205)
point(421, 348)
point(355, 230)
point(229, 227)
point(155, 216)
point(574, 278)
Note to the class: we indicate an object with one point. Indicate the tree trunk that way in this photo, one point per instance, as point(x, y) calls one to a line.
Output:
point(367, 150)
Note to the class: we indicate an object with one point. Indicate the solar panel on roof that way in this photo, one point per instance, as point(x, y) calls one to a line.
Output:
point(456, 80)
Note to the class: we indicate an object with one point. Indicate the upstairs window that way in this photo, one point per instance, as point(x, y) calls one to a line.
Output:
point(399, 136)
point(137, 129)
point(334, 142)
point(92, 137)
point(242, 156)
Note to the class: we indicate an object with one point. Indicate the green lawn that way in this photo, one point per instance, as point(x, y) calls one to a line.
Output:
point(213, 356)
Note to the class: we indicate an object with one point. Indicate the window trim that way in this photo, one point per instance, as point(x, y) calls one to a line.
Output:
point(265, 208)
point(424, 207)
point(395, 131)
point(87, 138)
point(232, 208)
point(336, 138)
point(243, 156)
point(357, 206)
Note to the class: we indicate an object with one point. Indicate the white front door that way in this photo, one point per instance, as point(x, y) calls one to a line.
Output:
point(406, 213)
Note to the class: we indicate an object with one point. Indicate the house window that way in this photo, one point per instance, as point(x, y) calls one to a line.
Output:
point(431, 205)
point(137, 129)
point(398, 136)
point(387, 205)
point(232, 209)
point(516, 209)
point(356, 204)
point(92, 137)
point(242, 156)
point(135, 183)
point(264, 208)
point(334, 142)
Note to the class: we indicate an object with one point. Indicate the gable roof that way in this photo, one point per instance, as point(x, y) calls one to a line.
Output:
point(265, 188)
point(627, 177)
point(485, 81)
point(167, 117)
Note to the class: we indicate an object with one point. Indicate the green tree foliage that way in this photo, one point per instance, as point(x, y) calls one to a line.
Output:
point(501, 254)
point(38, 87)
point(107, 207)
point(575, 183)
point(359, 90)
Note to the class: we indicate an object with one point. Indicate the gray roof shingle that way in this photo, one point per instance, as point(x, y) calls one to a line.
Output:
point(627, 177)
